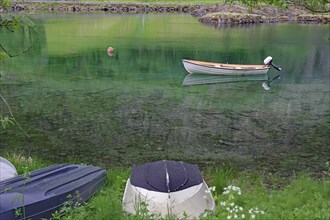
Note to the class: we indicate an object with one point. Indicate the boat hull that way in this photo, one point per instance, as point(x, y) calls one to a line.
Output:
point(44, 191)
point(193, 201)
point(168, 188)
point(7, 170)
point(193, 66)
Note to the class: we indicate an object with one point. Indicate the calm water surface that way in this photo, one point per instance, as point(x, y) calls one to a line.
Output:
point(79, 104)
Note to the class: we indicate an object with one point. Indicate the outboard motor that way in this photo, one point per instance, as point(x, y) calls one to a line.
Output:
point(269, 62)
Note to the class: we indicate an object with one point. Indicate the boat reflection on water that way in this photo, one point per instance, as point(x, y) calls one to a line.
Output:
point(201, 72)
point(200, 79)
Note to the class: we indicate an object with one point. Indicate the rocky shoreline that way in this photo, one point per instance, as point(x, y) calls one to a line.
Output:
point(238, 14)
point(212, 14)
point(102, 7)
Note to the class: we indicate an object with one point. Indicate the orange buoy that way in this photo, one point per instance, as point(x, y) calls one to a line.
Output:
point(110, 51)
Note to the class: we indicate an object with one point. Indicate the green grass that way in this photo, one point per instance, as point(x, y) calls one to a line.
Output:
point(297, 197)
point(25, 164)
point(160, 1)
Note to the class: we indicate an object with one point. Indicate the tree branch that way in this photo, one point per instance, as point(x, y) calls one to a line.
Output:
point(15, 55)
point(12, 116)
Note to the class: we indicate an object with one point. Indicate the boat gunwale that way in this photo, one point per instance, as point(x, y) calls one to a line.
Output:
point(242, 67)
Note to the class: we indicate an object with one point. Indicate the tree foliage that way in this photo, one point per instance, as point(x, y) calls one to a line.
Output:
point(4, 4)
point(316, 6)
point(11, 23)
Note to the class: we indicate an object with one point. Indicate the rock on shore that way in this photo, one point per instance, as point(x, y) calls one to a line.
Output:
point(214, 14)
point(228, 14)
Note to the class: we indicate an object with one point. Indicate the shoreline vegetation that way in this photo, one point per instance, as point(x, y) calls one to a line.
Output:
point(264, 195)
point(209, 13)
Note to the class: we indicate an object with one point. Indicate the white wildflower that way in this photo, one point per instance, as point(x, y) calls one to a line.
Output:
point(253, 216)
point(243, 216)
point(229, 217)
point(30, 160)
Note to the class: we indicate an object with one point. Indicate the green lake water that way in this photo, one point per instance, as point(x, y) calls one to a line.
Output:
point(78, 104)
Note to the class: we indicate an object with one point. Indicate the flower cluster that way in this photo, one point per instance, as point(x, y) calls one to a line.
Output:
point(255, 211)
point(230, 189)
point(210, 189)
point(22, 159)
point(233, 210)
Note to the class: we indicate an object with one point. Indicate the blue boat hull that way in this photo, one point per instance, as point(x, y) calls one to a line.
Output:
point(44, 191)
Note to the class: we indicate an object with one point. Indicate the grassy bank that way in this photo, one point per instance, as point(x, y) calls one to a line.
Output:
point(161, 1)
point(255, 195)
point(137, 1)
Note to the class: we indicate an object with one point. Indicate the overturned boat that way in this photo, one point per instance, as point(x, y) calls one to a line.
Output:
point(168, 188)
point(40, 193)
point(7, 170)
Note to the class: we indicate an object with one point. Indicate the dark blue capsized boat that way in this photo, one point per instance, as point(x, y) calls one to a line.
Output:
point(44, 191)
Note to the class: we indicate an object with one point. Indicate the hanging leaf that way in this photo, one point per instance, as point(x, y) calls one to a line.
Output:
point(6, 121)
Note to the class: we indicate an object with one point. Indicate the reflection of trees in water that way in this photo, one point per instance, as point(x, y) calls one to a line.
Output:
point(12, 24)
point(18, 34)
point(317, 58)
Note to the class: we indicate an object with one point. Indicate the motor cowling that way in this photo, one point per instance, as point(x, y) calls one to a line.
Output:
point(268, 60)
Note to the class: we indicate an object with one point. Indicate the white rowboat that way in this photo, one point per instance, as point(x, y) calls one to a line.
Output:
point(201, 67)
point(201, 72)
